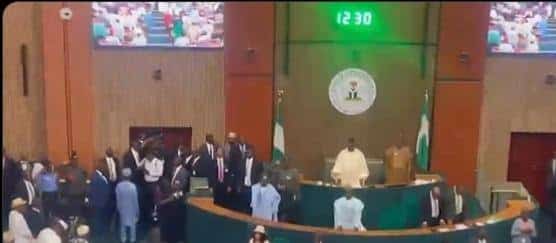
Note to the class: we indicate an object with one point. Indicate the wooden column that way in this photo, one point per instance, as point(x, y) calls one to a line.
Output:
point(68, 89)
point(249, 72)
point(458, 91)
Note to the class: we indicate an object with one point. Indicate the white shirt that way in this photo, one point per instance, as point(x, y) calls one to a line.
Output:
point(482, 241)
point(175, 174)
point(37, 168)
point(30, 191)
point(155, 169)
point(348, 212)
point(101, 176)
point(554, 167)
point(210, 149)
point(458, 201)
point(135, 154)
point(248, 166)
point(435, 210)
point(47, 235)
point(19, 228)
point(111, 169)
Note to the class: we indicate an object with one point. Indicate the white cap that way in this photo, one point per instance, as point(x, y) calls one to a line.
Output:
point(18, 202)
point(82, 230)
point(260, 229)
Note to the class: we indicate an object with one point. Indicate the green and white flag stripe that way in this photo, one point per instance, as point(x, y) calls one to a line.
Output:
point(422, 145)
point(278, 150)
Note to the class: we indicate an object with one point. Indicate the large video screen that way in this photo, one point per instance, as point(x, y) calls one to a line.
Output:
point(158, 24)
point(522, 27)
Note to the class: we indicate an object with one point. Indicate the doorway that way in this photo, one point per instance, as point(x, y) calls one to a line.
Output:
point(530, 154)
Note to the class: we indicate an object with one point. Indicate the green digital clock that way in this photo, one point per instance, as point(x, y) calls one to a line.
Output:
point(354, 18)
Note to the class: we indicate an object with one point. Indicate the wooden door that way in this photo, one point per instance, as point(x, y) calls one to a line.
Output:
point(529, 158)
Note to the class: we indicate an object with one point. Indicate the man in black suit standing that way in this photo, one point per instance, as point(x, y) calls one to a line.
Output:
point(243, 145)
point(432, 206)
point(207, 153)
point(132, 159)
point(222, 181)
point(11, 173)
point(179, 154)
point(250, 172)
point(111, 166)
point(232, 153)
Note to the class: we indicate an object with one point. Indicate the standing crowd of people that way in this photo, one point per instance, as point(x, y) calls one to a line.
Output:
point(141, 191)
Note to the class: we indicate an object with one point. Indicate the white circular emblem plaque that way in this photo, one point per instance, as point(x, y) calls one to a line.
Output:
point(352, 91)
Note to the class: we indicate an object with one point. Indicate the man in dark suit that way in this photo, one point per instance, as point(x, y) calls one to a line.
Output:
point(73, 186)
point(25, 189)
point(101, 201)
point(232, 153)
point(207, 153)
point(457, 205)
point(10, 173)
point(249, 174)
point(222, 181)
point(243, 145)
point(180, 154)
point(179, 175)
point(191, 162)
point(35, 218)
point(111, 165)
point(132, 159)
point(432, 208)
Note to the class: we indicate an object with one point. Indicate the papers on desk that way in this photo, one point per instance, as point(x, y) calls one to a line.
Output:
point(442, 230)
point(460, 226)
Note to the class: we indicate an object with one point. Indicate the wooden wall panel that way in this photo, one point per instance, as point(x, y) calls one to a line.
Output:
point(249, 80)
point(463, 28)
point(516, 99)
point(191, 93)
point(249, 25)
point(23, 119)
point(78, 54)
point(249, 107)
point(455, 132)
point(58, 139)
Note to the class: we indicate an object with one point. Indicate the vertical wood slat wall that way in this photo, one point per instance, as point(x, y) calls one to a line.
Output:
point(458, 92)
point(23, 117)
point(249, 76)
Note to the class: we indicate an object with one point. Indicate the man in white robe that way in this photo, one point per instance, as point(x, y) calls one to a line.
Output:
point(265, 200)
point(523, 229)
point(17, 224)
point(348, 211)
point(350, 168)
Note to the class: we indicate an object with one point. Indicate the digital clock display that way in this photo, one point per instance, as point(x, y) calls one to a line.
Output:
point(354, 18)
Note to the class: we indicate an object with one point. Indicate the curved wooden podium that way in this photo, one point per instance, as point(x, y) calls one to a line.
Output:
point(210, 223)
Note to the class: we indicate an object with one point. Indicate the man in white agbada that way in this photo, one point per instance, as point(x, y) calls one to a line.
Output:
point(348, 211)
point(265, 200)
point(350, 168)
point(17, 224)
point(53, 234)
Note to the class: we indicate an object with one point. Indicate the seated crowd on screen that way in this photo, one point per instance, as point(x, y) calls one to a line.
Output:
point(518, 26)
point(137, 23)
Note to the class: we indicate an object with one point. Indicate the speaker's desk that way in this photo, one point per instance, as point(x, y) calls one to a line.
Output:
point(386, 206)
point(208, 223)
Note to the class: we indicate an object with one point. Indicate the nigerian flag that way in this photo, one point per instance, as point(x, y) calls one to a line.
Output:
point(278, 150)
point(422, 145)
